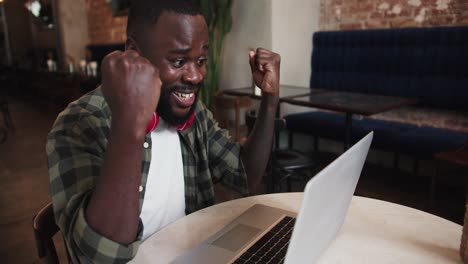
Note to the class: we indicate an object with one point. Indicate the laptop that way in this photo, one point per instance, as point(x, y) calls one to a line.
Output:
point(264, 234)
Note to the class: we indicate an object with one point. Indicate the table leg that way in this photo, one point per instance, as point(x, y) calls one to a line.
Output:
point(3, 135)
point(278, 110)
point(277, 133)
point(348, 125)
point(432, 191)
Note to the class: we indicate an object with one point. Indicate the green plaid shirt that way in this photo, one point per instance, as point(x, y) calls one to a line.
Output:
point(75, 149)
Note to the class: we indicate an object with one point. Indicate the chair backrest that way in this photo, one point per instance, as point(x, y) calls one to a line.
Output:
point(280, 124)
point(251, 117)
point(223, 105)
point(44, 228)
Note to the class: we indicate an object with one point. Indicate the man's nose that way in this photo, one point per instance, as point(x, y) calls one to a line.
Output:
point(193, 74)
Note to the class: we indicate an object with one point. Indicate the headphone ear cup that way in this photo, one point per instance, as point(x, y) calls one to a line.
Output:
point(187, 123)
point(153, 123)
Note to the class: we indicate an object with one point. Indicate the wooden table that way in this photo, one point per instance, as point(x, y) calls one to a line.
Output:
point(374, 232)
point(285, 91)
point(349, 103)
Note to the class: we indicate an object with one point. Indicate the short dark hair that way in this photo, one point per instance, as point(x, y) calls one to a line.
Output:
point(144, 13)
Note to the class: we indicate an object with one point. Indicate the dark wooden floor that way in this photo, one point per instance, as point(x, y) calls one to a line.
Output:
point(24, 183)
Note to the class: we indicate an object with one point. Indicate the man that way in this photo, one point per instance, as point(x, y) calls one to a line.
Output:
point(113, 182)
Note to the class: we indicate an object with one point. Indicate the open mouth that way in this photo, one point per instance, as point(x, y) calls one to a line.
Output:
point(185, 99)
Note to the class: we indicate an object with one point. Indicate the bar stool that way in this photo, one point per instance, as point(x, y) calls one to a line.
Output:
point(284, 164)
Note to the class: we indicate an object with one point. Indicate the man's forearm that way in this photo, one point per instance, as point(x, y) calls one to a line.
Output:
point(113, 209)
point(257, 148)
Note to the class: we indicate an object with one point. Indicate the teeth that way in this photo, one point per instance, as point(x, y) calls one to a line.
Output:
point(184, 96)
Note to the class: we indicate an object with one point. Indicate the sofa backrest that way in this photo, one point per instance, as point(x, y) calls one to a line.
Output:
point(429, 64)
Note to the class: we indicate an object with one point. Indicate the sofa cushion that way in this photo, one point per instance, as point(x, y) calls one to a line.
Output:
point(318, 123)
point(421, 142)
point(332, 126)
point(386, 133)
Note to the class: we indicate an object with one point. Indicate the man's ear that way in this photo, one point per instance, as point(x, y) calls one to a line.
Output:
point(131, 44)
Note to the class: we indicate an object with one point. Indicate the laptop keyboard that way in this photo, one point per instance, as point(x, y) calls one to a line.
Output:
point(272, 246)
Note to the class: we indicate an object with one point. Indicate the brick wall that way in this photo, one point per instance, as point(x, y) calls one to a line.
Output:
point(103, 27)
point(334, 15)
point(368, 14)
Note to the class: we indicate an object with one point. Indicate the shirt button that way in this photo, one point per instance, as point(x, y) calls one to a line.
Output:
point(140, 189)
point(145, 145)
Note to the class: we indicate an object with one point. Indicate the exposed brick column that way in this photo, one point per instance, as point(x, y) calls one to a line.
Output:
point(103, 27)
point(369, 14)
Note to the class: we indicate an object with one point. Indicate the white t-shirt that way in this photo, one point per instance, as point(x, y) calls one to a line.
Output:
point(164, 200)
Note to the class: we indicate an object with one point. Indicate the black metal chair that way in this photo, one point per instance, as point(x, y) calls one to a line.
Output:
point(284, 164)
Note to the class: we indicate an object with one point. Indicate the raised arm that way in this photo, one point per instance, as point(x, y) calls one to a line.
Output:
point(265, 67)
point(131, 87)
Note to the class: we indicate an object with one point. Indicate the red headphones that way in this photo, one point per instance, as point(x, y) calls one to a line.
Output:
point(153, 123)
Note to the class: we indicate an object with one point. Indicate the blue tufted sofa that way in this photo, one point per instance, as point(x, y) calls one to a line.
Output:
point(427, 64)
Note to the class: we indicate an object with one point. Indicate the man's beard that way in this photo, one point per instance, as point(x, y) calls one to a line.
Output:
point(164, 108)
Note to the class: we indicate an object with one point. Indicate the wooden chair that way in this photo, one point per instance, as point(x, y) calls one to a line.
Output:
point(223, 105)
point(44, 228)
point(284, 164)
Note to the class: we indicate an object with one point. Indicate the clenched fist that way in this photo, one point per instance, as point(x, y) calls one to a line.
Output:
point(131, 86)
point(265, 66)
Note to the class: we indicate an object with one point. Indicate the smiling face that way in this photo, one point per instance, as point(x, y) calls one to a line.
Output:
point(178, 46)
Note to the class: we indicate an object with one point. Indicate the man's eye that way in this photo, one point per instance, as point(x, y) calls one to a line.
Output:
point(202, 62)
point(178, 63)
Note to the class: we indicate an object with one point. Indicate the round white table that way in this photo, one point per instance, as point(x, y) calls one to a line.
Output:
point(374, 232)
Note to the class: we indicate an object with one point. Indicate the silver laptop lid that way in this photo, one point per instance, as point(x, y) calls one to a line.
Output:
point(327, 197)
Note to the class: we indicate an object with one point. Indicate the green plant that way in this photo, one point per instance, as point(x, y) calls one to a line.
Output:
point(218, 16)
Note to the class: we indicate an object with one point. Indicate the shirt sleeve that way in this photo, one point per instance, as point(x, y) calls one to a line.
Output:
point(225, 158)
point(75, 148)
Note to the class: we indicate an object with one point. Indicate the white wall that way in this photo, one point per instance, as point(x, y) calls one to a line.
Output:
point(251, 28)
point(285, 27)
point(293, 23)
